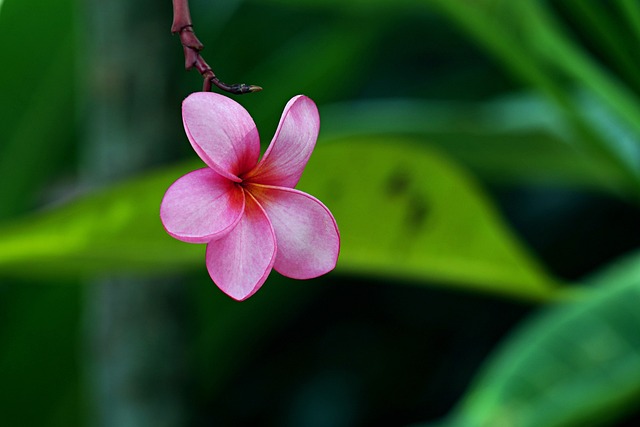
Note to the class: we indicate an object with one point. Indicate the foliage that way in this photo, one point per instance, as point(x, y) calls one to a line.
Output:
point(572, 364)
point(467, 147)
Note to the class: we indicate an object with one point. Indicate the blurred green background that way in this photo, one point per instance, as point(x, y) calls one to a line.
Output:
point(480, 157)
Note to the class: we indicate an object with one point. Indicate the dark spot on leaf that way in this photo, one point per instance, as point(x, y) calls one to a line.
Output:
point(417, 211)
point(398, 182)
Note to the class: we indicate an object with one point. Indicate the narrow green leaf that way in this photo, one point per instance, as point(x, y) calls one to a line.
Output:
point(608, 34)
point(404, 211)
point(549, 39)
point(630, 10)
point(575, 364)
point(514, 139)
point(513, 47)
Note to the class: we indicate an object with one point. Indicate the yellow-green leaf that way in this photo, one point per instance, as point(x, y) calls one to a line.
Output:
point(404, 212)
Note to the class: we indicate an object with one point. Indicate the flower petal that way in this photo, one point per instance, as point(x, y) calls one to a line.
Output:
point(306, 232)
point(222, 132)
point(291, 147)
point(240, 262)
point(201, 206)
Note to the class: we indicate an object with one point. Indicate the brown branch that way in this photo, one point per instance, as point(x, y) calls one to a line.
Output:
point(192, 46)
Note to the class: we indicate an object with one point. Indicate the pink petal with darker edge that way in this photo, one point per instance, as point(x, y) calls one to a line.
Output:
point(306, 231)
point(240, 262)
point(201, 206)
point(222, 132)
point(289, 151)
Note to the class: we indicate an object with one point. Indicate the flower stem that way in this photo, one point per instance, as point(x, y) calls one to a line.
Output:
point(183, 26)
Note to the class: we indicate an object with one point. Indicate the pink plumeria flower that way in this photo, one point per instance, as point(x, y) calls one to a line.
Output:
point(247, 211)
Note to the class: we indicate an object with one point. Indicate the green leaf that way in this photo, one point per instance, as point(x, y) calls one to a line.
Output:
point(607, 34)
point(115, 230)
point(549, 38)
point(526, 40)
point(575, 364)
point(515, 139)
point(630, 10)
point(404, 211)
